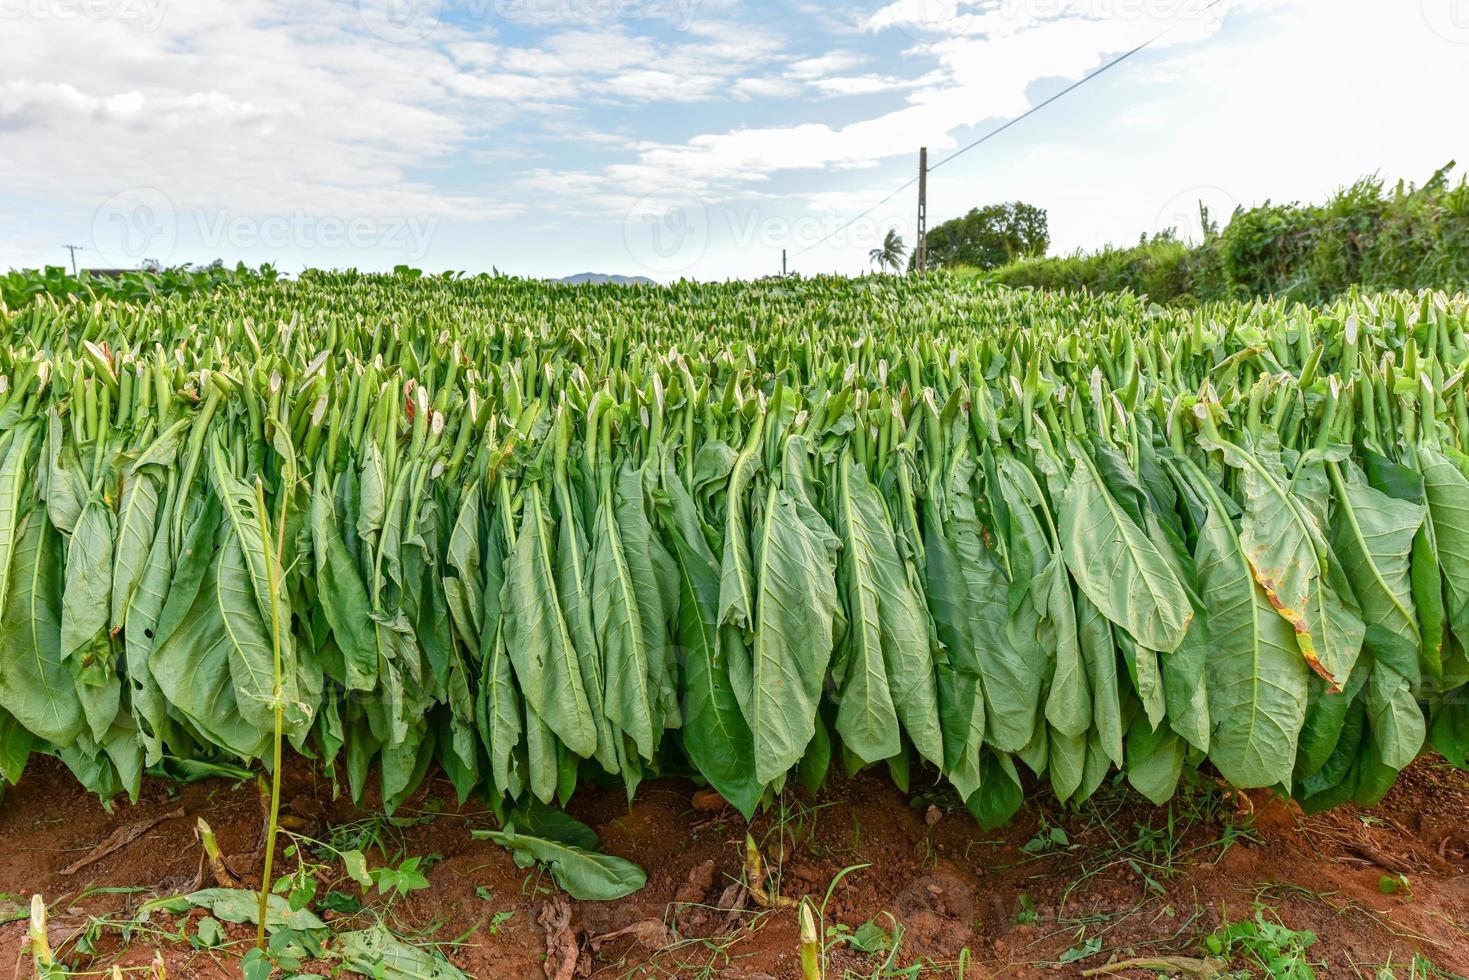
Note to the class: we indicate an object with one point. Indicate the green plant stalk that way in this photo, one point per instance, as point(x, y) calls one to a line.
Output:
point(272, 571)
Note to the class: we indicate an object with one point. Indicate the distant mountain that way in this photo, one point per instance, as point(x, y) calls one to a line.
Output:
point(599, 278)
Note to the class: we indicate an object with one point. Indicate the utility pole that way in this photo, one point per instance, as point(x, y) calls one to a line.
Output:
point(73, 249)
point(920, 248)
point(782, 263)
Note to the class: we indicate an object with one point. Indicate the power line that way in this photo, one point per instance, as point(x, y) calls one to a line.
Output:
point(859, 217)
point(1070, 88)
point(1001, 128)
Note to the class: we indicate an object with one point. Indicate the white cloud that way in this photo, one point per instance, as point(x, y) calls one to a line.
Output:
point(976, 79)
point(274, 107)
point(602, 106)
point(827, 64)
point(765, 88)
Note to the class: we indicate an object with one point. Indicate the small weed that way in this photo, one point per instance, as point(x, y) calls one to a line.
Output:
point(1048, 837)
point(1398, 885)
point(1419, 968)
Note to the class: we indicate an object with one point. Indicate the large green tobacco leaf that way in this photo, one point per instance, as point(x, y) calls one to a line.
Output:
point(1286, 548)
point(1398, 726)
point(16, 743)
point(866, 718)
point(628, 614)
point(344, 599)
point(1154, 760)
point(1118, 568)
point(140, 624)
point(952, 546)
point(715, 733)
point(795, 610)
point(13, 476)
point(1069, 702)
point(35, 686)
point(1447, 490)
point(65, 487)
point(241, 905)
point(88, 578)
point(585, 875)
point(498, 705)
point(191, 653)
point(1185, 686)
point(255, 617)
point(574, 587)
point(886, 657)
point(1373, 534)
point(736, 576)
point(1256, 676)
point(251, 658)
point(536, 636)
point(1099, 654)
point(1014, 663)
point(137, 518)
point(376, 952)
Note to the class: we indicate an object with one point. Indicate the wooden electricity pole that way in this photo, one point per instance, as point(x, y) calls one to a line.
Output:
point(73, 249)
point(920, 248)
point(782, 262)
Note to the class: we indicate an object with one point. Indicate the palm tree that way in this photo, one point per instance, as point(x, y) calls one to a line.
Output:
point(890, 255)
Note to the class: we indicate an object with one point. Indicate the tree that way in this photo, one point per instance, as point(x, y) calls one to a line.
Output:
point(990, 236)
point(890, 255)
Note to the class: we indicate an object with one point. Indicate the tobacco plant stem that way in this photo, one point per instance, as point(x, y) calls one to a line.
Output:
point(272, 573)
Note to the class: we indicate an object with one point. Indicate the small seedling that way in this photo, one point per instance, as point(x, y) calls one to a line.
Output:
point(1396, 885)
point(1270, 945)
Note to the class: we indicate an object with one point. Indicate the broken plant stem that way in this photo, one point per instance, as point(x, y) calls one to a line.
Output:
point(755, 880)
point(810, 944)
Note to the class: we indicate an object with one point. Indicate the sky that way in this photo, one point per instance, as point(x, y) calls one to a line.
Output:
point(686, 138)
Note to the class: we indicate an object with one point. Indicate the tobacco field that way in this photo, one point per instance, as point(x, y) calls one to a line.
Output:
point(532, 535)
